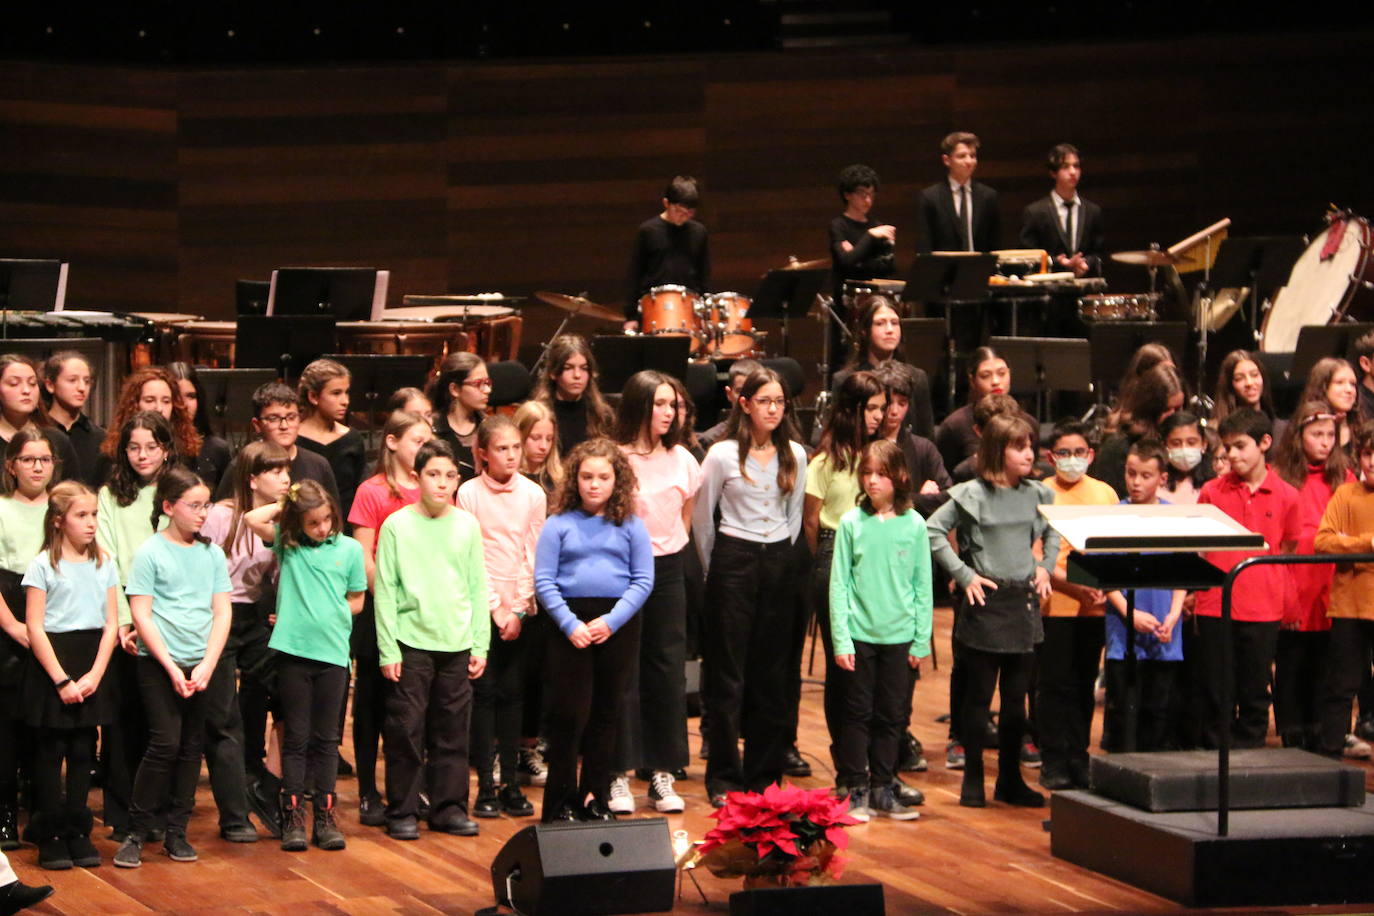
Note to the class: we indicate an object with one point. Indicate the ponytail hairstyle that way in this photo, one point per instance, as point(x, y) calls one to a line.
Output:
point(171, 486)
point(621, 505)
point(52, 371)
point(530, 413)
point(1290, 461)
point(124, 483)
point(403, 396)
point(600, 419)
point(255, 458)
point(313, 379)
point(60, 500)
point(454, 370)
point(488, 428)
point(887, 459)
point(9, 483)
point(300, 499)
point(637, 409)
point(739, 428)
point(397, 425)
point(845, 435)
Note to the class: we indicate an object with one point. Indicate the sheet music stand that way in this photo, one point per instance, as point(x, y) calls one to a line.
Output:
point(347, 293)
point(1258, 262)
point(281, 342)
point(950, 279)
point(30, 284)
point(1054, 363)
point(229, 395)
point(1124, 548)
point(374, 377)
point(787, 294)
point(620, 356)
point(1316, 341)
point(251, 296)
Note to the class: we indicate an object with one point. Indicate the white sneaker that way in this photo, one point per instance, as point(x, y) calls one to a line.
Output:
point(663, 795)
point(531, 767)
point(621, 801)
point(1354, 747)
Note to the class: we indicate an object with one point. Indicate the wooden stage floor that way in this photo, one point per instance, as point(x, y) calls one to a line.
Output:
point(952, 860)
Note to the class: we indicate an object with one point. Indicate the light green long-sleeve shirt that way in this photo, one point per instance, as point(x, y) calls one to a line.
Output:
point(430, 591)
point(121, 530)
point(880, 582)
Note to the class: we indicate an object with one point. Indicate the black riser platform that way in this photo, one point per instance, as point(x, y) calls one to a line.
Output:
point(1260, 778)
point(1272, 857)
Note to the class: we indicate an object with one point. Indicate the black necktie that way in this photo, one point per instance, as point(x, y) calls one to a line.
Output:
point(965, 218)
point(1068, 225)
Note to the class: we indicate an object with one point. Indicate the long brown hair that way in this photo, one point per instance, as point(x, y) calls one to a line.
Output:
point(887, 458)
point(845, 435)
point(1290, 461)
point(255, 458)
point(1226, 399)
point(600, 419)
point(60, 500)
point(621, 505)
point(863, 327)
point(635, 416)
point(188, 441)
point(739, 428)
point(1319, 379)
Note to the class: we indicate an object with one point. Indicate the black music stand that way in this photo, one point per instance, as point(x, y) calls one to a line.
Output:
point(923, 341)
point(950, 280)
point(1316, 341)
point(282, 342)
point(375, 377)
point(30, 284)
point(251, 296)
point(1113, 343)
point(620, 356)
point(347, 293)
point(787, 294)
point(1259, 262)
point(1054, 363)
point(229, 394)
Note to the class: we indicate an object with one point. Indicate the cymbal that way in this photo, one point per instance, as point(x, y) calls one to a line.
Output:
point(1144, 258)
point(891, 286)
point(816, 264)
point(578, 305)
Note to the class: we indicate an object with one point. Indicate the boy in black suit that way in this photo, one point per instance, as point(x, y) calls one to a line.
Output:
point(946, 221)
point(1064, 224)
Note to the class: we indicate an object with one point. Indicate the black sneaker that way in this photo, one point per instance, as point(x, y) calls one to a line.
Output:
point(907, 795)
point(175, 847)
point(130, 853)
point(371, 811)
point(345, 768)
point(884, 803)
point(238, 833)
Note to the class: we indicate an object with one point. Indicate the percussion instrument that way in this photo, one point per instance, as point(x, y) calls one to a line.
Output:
point(115, 342)
point(1018, 262)
point(1119, 307)
point(579, 305)
point(1216, 311)
point(729, 325)
point(857, 293)
point(211, 343)
point(672, 310)
point(815, 264)
point(1324, 288)
point(166, 326)
point(1144, 258)
point(493, 330)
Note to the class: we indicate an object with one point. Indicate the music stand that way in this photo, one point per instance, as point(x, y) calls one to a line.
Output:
point(950, 279)
point(1113, 343)
point(619, 356)
point(30, 284)
point(1054, 363)
point(923, 341)
point(347, 293)
point(229, 394)
point(250, 296)
point(787, 294)
point(282, 342)
point(1261, 262)
point(374, 377)
point(1316, 341)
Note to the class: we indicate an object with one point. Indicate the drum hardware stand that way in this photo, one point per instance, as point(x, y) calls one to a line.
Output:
point(826, 306)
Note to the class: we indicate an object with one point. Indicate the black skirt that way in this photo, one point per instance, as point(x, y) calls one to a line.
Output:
point(13, 656)
point(43, 708)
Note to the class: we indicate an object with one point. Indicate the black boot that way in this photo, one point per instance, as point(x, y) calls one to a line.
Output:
point(293, 824)
point(46, 830)
point(9, 826)
point(78, 834)
point(326, 833)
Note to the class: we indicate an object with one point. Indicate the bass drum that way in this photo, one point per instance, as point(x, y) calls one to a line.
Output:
point(1323, 290)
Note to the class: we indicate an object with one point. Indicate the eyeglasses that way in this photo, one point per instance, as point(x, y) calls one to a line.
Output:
point(280, 419)
point(196, 507)
point(769, 402)
point(28, 461)
point(483, 384)
point(153, 449)
point(1070, 453)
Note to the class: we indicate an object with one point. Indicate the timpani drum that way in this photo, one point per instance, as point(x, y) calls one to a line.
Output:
point(208, 344)
point(491, 331)
point(1119, 307)
point(671, 311)
point(1332, 281)
point(729, 324)
point(1020, 262)
point(166, 329)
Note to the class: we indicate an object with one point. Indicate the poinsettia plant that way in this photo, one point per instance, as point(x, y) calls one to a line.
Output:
point(784, 835)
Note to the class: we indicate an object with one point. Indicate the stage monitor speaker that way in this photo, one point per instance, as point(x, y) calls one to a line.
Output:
point(587, 869)
point(821, 900)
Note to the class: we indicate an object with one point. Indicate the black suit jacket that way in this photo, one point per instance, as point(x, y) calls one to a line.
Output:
point(939, 228)
point(1040, 228)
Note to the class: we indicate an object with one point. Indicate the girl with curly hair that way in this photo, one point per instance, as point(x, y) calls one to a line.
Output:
point(593, 570)
point(153, 388)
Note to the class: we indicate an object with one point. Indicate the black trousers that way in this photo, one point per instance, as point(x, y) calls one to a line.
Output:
point(370, 691)
point(308, 695)
point(749, 607)
point(802, 603)
point(13, 739)
point(1008, 673)
point(1299, 676)
point(535, 633)
point(653, 732)
point(428, 714)
point(1155, 685)
point(585, 692)
point(224, 743)
point(497, 700)
point(123, 740)
point(1068, 660)
point(1347, 664)
point(52, 748)
point(832, 703)
point(874, 698)
point(248, 636)
point(171, 763)
point(1255, 644)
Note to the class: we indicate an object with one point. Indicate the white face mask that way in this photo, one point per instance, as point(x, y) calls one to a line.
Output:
point(1071, 469)
point(1185, 459)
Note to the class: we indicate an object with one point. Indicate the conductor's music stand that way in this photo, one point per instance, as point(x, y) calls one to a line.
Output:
point(950, 280)
point(787, 294)
point(284, 343)
point(347, 293)
point(376, 376)
point(1113, 343)
point(619, 356)
point(229, 396)
point(1054, 363)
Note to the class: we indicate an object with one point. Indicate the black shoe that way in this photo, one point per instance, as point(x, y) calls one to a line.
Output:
point(9, 828)
point(403, 828)
point(514, 802)
point(371, 811)
point(130, 853)
point(325, 832)
point(794, 764)
point(53, 854)
point(17, 896)
point(1018, 794)
point(117, 834)
point(175, 847)
point(911, 756)
point(679, 773)
point(567, 815)
point(263, 803)
point(488, 803)
point(971, 792)
point(595, 810)
point(345, 768)
point(82, 850)
point(907, 795)
point(716, 793)
point(1055, 777)
point(456, 823)
point(990, 737)
point(238, 833)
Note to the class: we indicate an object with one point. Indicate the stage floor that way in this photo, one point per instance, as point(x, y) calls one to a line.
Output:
point(952, 860)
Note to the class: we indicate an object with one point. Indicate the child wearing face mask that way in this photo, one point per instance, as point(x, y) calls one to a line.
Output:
point(1073, 625)
point(1186, 445)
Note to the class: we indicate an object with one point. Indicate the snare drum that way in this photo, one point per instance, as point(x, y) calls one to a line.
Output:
point(673, 311)
point(1119, 307)
point(730, 325)
point(1323, 290)
point(857, 293)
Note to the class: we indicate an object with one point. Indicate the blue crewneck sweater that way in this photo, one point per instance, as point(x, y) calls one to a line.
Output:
point(587, 556)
